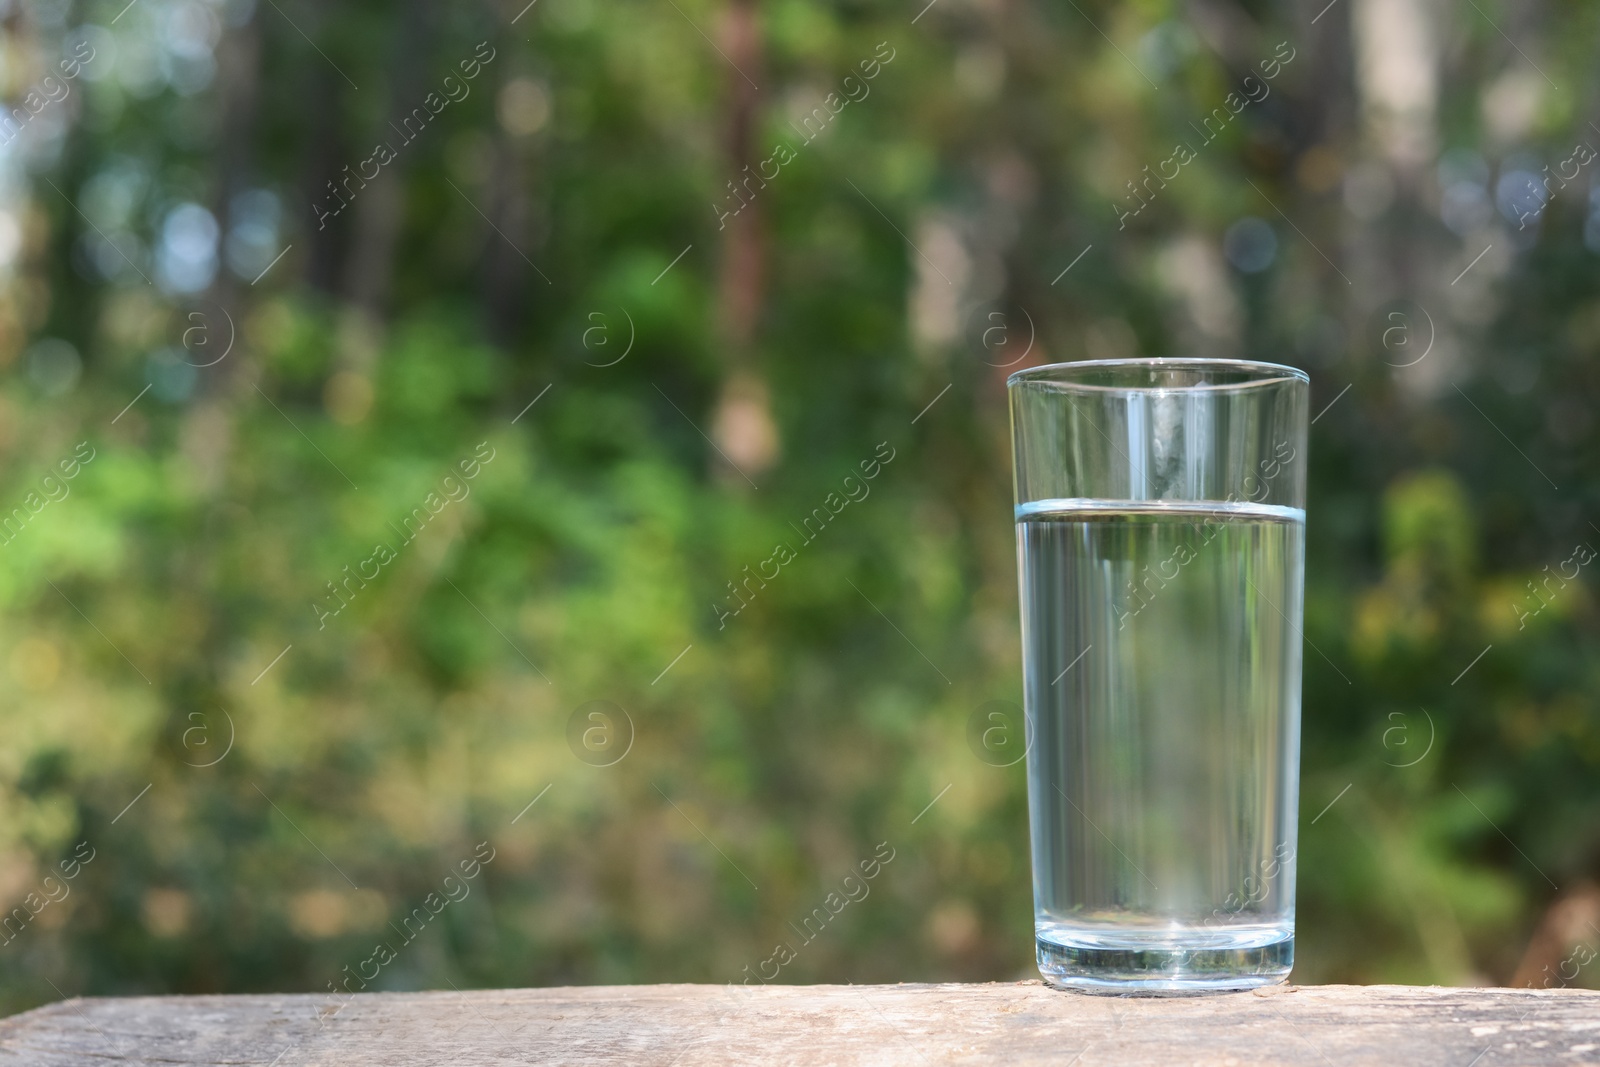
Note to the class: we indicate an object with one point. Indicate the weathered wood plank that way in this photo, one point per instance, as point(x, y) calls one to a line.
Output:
point(809, 1026)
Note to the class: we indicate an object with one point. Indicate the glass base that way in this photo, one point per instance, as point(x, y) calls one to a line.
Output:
point(1166, 962)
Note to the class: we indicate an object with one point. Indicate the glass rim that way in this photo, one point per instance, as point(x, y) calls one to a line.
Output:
point(1061, 376)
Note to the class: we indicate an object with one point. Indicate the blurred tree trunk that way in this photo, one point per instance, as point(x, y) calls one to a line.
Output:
point(742, 282)
point(380, 209)
point(507, 276)
point(1565, 940)
point(324, 154)
point(743, 425)
point(208, 424)
point(239, 77)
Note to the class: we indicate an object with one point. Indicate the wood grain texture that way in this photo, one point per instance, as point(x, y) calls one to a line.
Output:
point(808, 1026)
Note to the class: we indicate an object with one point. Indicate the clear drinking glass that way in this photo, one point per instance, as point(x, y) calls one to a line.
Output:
point(1160, 537)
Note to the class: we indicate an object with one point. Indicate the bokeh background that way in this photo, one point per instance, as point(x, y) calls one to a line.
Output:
point(258, 343)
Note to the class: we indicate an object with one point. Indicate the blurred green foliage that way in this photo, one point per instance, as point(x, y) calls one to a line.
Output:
point(160, 611)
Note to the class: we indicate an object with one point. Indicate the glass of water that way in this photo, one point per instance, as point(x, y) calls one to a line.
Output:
point(1160, 535)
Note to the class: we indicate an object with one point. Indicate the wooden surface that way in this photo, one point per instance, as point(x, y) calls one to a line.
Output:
point(686, 1025)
